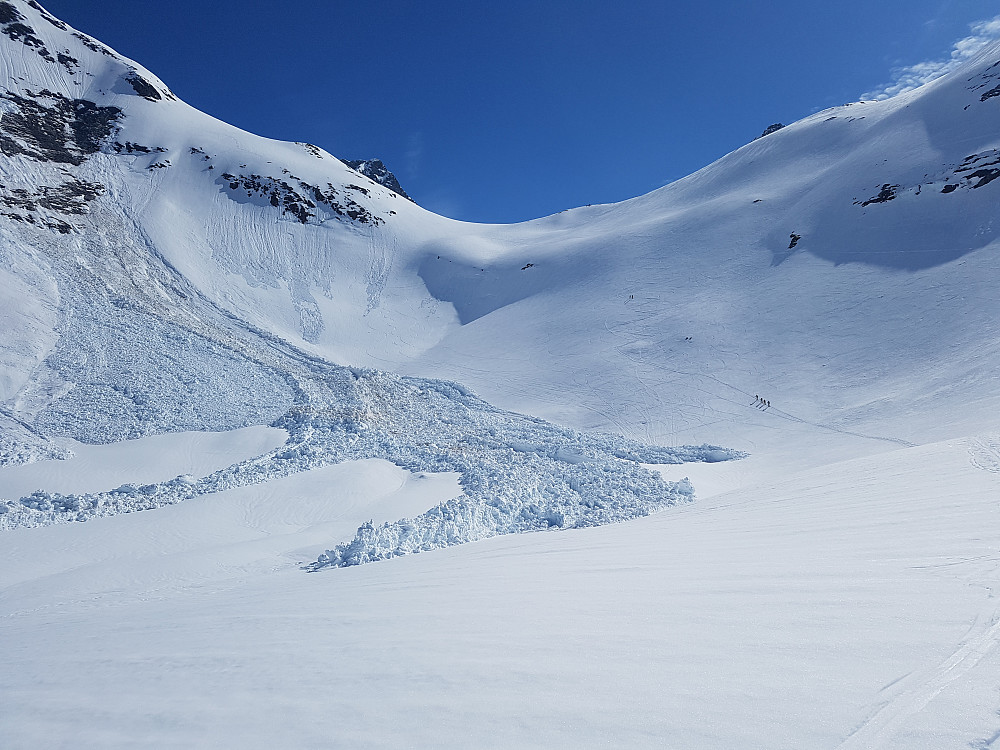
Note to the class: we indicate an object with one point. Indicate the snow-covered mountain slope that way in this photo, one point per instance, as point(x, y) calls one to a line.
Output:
point(840, 268)
point(660, 318)
point(156, 257)
point(821, 298)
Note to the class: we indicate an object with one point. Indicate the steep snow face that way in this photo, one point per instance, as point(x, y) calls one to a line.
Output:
point(188, 183)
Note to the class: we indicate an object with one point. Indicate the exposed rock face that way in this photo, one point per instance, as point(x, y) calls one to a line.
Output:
point(375, 170)
point(975, 171)
point(885, 194)
point(985, 79)
point(143, 87)
point(50, 127)
point(771, 129)
point(70, 197)
point(306, 203)
point(11, 19)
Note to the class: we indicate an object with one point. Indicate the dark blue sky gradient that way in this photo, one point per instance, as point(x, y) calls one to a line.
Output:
point(506, 111)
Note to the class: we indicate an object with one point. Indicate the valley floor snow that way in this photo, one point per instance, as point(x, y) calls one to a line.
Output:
point(846, 606)
point(158, 458)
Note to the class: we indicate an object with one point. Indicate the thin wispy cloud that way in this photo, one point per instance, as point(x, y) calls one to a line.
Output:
point(910, 77)
point(414, 154)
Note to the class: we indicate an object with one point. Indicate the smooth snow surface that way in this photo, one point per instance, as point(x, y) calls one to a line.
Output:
point(96, 468)
point(713, 479)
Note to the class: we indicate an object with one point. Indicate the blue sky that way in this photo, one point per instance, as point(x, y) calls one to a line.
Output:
point(508, 111)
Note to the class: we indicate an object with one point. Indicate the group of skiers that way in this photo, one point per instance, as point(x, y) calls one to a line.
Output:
point(761, 403)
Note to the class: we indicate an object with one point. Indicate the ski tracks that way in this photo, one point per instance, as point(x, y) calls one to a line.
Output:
point(644, 327)
point(984, 452)
point(920, 689)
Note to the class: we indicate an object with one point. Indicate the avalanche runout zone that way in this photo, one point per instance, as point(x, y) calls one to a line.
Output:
point(144, 358)
point(519, 473)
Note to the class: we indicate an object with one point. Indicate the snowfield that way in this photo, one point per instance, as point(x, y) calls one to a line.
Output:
point(751, 415)
point(847, 606)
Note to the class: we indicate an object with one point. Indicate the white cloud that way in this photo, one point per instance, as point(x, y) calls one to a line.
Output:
point(913, 76)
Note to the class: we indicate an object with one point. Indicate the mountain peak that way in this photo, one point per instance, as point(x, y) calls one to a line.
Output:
point(376, 170)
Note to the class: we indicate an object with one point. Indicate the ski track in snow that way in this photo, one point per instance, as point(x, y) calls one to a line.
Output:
point(984, 452)
point(638, 330)
point(916, 692)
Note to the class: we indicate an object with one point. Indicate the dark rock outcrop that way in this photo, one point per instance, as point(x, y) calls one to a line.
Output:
point(376, 171)
point(50, 127)
point(771, 129)
point(143, 87)
point(301, 201)
point(885, 194)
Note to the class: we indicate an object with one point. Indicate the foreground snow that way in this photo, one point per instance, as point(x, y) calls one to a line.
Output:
point(847, 606)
